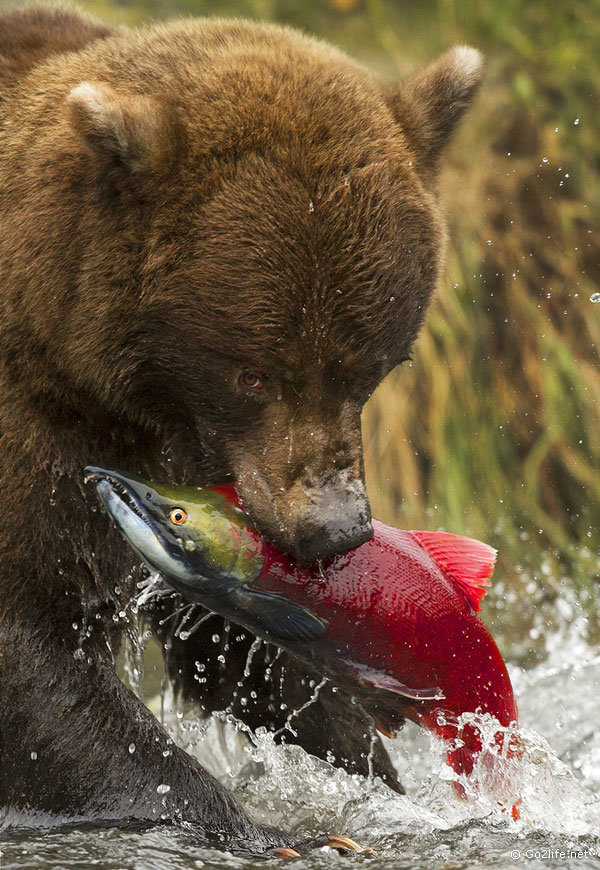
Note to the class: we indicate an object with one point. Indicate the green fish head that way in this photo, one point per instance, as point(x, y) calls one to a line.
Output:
point(182, 532)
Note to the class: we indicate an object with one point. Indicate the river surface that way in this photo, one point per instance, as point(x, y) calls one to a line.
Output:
point(555, 783)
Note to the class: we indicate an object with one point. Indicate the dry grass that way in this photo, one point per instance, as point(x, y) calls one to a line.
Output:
point(496, 428)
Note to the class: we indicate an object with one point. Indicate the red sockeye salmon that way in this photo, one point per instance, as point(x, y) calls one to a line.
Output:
point(392, 623)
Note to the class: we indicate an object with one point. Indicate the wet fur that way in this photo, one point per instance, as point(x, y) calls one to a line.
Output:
point(180, 204)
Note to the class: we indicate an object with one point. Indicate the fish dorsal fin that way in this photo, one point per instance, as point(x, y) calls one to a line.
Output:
point(467, 563)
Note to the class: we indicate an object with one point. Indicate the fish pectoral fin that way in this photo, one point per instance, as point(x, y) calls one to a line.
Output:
point(278, 616)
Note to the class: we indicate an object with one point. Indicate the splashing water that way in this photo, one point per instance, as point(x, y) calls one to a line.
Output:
point(554, 780)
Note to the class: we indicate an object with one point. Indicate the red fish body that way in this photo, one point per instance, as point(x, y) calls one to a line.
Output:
point(392, 623)
point(400, 614)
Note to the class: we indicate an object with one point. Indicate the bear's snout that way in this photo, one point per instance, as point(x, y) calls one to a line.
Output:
point(336, 534)
point(315, 517)
point(338, 520)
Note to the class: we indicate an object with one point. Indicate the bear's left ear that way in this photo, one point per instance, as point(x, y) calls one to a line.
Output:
point(139, 134)
point(429, 104)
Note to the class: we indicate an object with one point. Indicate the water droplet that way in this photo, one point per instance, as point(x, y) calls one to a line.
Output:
point(184, 635)
point(33, 756)
point(216, 638)
point(595, 297)
point(163, 788)
point(131, 748)
point(576, 122)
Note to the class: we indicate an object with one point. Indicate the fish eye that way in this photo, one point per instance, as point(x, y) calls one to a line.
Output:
point(178, 516)
point(251, 381)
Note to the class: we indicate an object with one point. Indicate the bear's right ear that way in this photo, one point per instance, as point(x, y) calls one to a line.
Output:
point(138, 133)
point(429, 105)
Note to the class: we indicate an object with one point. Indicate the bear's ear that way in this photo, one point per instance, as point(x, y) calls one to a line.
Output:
point(429, 104)
point(138, 133)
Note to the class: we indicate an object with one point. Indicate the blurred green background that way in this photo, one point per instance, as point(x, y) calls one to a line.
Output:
point(494, 430)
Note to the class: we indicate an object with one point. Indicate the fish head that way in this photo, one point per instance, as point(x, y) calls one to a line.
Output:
point(181, 532)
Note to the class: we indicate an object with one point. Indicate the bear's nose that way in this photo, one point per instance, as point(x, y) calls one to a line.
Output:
point(337, 521)
point(334, 536)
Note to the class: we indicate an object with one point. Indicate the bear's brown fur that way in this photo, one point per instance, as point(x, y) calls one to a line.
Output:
point(216, 238)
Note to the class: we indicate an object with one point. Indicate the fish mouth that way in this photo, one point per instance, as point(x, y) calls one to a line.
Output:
point(126, 487)
point(132, 505)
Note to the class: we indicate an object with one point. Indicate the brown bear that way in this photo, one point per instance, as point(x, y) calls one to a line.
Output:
point(216, 239)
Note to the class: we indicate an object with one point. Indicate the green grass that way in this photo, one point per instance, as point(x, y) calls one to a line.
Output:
point(509, 441)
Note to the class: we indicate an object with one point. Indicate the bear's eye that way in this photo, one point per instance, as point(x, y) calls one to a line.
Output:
point(178, 516)
point(251, 381)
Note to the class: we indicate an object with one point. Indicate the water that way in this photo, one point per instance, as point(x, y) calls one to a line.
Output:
point(556, 783)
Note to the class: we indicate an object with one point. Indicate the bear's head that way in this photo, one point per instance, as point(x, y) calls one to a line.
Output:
point(271, 239)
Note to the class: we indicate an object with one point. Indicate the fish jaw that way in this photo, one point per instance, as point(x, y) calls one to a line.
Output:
point(145, 535)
